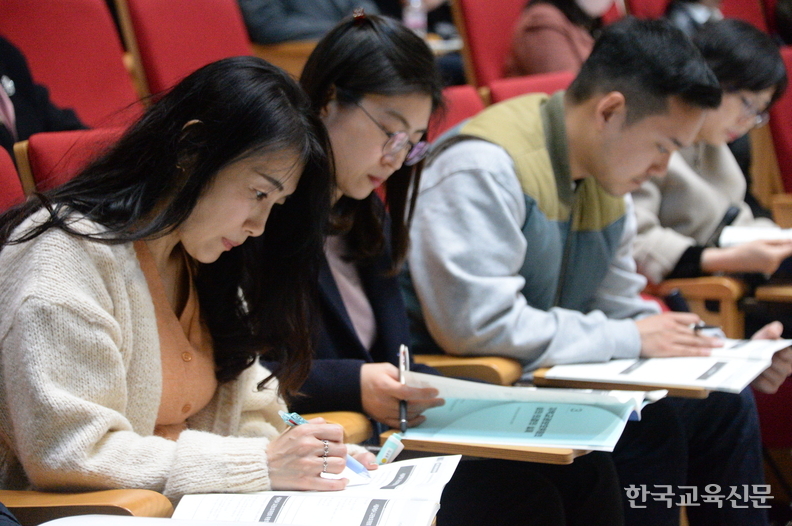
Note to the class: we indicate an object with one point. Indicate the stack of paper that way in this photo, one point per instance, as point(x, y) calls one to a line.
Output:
point(476, 413)
point(404, 493)
point(737, 235)
point(730, 368)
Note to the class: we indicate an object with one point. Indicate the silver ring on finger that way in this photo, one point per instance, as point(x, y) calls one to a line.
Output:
point(324, 456)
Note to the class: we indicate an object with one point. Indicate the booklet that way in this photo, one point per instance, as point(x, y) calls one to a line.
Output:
point(403, 493)
point(730, 368)
point(477, 413)
point(123, 520)
point(737, 235)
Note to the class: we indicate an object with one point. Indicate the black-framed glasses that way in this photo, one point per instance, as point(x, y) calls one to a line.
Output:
point(759, 116)
point(397, 141)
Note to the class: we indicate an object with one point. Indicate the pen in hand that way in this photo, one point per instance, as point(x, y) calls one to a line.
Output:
point(294, 419)
point(404, 366)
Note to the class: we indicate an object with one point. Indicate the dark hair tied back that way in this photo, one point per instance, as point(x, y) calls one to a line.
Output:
point(372, 55)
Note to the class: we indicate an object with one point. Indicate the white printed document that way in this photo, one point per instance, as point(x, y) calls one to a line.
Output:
point(477, 413)
point(738, 235)
point(404, 493)
point(730, 368)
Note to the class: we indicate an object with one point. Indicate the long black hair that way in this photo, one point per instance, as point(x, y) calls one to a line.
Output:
point(742, 57)
point(369, 54)
point(256, 298)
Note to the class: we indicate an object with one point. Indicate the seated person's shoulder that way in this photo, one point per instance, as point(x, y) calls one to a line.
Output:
point(542, 15)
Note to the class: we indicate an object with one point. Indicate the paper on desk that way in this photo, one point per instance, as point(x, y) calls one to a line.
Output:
point(402, 493)
point(464, 389)
point(738, 235)
point(476, 413)
point(120, 520)
point(730, 369)
point(750, 349)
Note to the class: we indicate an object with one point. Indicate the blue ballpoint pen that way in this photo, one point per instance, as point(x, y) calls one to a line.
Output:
point(294, 419)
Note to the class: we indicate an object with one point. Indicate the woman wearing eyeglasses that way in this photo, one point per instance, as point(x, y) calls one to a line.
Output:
point(681, 213)
point(374, 84)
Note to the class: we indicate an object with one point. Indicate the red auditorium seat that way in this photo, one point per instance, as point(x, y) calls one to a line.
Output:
point(10, 187)
point(503, 89)
point(73, 49)
point(173, 38)
point(47, 160)
point(462, 102)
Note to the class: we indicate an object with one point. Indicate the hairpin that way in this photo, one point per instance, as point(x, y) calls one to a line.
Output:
point(359, 14)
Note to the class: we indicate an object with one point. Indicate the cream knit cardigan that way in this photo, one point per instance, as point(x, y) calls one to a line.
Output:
point(81, 382)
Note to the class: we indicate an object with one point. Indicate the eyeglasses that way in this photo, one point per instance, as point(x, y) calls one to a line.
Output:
point(398, 141)
point(759, 116)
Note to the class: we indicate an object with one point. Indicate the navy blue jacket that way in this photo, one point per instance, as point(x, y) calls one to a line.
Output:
point(34, 111)
point(334, 382)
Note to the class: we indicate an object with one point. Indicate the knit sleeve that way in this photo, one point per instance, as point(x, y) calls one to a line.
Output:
point(81, 382)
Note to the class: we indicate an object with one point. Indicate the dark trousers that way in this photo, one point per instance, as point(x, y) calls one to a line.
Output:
point(691, 442)
point(501, 492)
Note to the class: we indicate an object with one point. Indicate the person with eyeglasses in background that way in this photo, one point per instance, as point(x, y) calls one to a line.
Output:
point(679, 214)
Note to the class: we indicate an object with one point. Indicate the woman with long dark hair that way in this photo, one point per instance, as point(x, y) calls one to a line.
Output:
point(134, 310)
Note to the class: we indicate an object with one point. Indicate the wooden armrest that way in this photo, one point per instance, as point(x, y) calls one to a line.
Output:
point(492, 369)
point(357, 426)
point(725, 290)
point(774, 293)
point(719, 288)
point(781, 207)
point(291, 55)
point(35, 507)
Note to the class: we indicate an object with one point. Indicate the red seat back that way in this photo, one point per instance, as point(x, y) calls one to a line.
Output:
point(176, 37)
point(487, 30)
point(10, 187)
point(462, 102)
point(542, 83)
point(774, 416)
point(752, 11)
point(649, 9)
point(56, 157)
point(74, 50)
point(781, 127)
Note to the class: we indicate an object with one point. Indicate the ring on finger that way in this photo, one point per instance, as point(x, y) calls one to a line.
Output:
point(324, 456)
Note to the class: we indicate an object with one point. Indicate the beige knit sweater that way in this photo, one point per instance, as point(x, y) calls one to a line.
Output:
point(81, 382)
point(683, 208)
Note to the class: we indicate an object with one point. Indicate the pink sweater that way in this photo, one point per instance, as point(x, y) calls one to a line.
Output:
point(545, 40)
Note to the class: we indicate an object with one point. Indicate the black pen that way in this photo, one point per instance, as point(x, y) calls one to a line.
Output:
point(404, 366)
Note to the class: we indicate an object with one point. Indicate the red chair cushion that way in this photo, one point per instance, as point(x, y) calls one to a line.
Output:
point(751, 11)
point(176, 37)
point(488, 30)
point(503, 89)
point(774, 417)
point(73, 48)
point(56, 157)
point(650, 9)
point(781, 127)
point(462, 102)
point(10, 186)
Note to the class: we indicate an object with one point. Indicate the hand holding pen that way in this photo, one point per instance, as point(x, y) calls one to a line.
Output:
point(294, 420)
point(381, 392)
point(297, 458)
